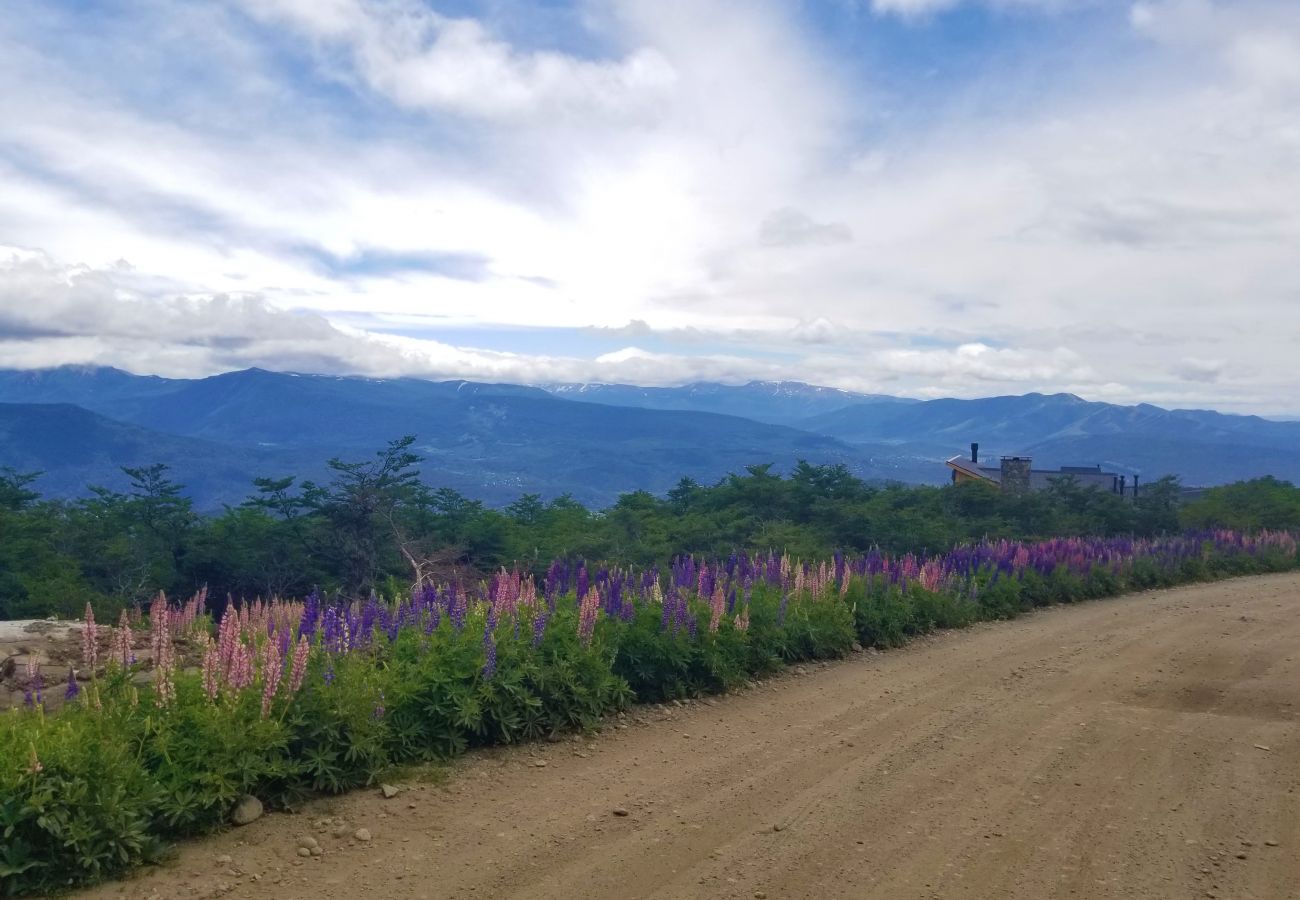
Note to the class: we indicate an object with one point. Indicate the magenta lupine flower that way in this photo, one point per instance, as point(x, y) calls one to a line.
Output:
point(89, 642)
point(298, 670)
point(587, 613)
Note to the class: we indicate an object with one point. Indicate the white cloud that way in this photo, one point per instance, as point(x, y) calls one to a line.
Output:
point(420, 59)
point(737, 193)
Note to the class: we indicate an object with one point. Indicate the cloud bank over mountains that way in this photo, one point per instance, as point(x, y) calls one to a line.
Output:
point(1096, 197)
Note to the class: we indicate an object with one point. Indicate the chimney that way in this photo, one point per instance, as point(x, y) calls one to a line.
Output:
point(1015, 474)
point(1123, 485)
point(1135, 487)
point(974, 452)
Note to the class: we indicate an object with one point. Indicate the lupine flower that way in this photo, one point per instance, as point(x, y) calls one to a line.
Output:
point(717, 607)
point(742, 619)
point(89, 642)
point(489, 655)
point(587, 614)
point(241, 673)
point(164, 655)
point(122, 652)
point(272, 669)
point(539, 626)
point(34, 766)
point(73, 688)
point(211, 668)
point(298, 671)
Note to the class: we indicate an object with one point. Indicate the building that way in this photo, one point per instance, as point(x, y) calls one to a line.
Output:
point(1016, 474)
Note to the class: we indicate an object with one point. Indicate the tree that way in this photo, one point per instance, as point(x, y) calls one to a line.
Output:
point(1156, 507)
point(364, 504)
point(14, 494)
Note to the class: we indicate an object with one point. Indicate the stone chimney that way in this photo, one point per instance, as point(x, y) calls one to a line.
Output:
point(974, 453)
point(1015, 474)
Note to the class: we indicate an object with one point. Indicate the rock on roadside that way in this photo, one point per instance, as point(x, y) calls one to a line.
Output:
point(246, 811)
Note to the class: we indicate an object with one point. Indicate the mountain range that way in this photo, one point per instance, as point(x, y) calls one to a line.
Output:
point(497, 441)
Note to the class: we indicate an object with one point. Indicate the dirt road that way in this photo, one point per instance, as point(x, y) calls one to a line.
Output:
point(1147, 746)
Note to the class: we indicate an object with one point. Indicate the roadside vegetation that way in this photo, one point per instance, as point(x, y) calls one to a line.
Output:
point(174, 717)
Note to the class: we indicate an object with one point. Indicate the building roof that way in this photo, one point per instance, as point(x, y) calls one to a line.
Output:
point(975, 470)
point(1038, 478)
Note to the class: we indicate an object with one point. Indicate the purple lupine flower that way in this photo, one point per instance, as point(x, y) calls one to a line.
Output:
point(73, 688)
point(457, 606)
point(310, 615)
point(489, 655)
point(539, 627)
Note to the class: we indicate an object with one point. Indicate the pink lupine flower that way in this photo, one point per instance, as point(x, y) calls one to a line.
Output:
point(717, 606)
point(227, 640)
point(587, 614)
point(89, 642)
point(122, 651)
point(240, 675)
point(742, 619)
point(158, 615)
point(211, 668)
point(298, 670)
point(272, 669)
point(164, 663)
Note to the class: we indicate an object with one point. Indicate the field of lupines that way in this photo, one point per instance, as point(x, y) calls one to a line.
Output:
point(285, 699)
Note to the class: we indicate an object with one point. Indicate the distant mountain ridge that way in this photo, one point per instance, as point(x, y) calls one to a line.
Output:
point(1202, 446)
point(492, 442)
point(497, 441)
point(775, 402)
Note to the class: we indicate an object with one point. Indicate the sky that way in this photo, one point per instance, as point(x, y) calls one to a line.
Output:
point(916, 197)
